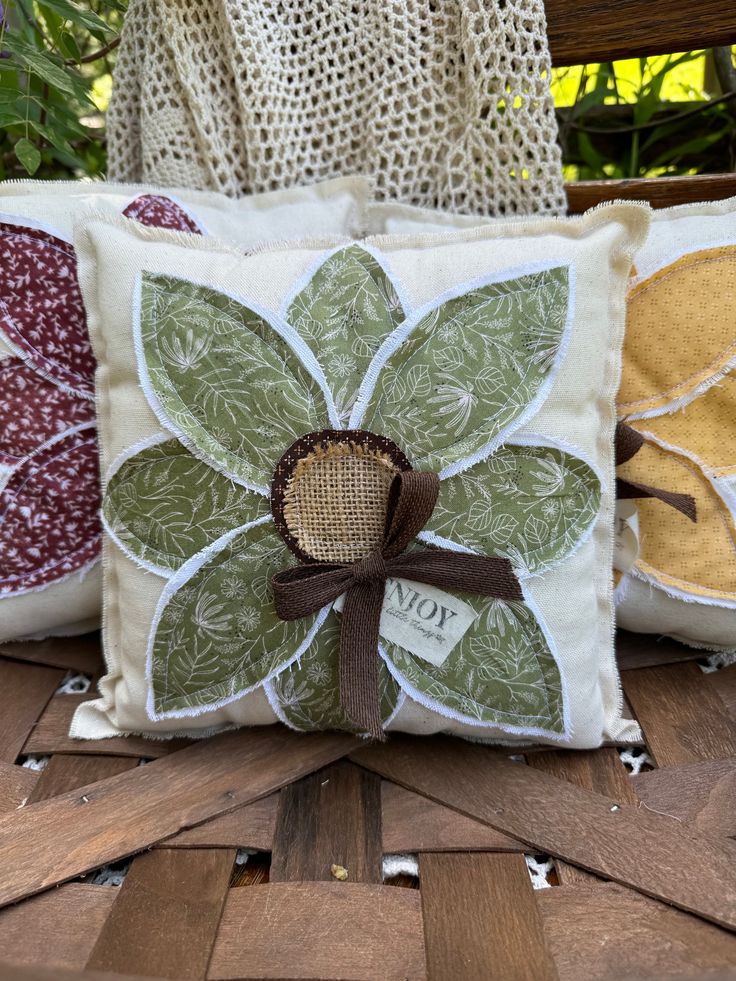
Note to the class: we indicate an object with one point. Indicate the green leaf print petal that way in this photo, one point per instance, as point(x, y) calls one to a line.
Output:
point(531, 504)
point(307, 692)
point(345, 312)
point(163, 505)
point(217, 635)
point(502, 673)
point(471, 368)
point(223, 378)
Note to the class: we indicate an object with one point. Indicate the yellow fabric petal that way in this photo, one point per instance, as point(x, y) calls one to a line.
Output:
point(681, 329)
point(698, 558)
point(705, 427)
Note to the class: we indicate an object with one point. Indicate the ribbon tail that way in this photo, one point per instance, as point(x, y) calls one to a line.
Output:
point(359, 695)
point(684, 503)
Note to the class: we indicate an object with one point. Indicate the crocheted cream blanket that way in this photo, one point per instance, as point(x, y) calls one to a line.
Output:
point(445, 102)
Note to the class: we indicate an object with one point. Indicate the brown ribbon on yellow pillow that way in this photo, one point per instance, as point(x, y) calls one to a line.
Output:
point(306, 588)
point(628, 444)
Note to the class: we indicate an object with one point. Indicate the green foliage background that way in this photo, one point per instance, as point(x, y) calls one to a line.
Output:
point(673, 114)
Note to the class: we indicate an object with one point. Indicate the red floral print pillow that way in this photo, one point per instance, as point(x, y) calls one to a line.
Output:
point(49, 506)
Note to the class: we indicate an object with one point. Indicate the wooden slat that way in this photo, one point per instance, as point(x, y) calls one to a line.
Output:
point(598, 30)
point(724, 682)
point(24, 691)
point(649, 650)
point(248, 827)
point(82, 654)
point(332, 817)
point(410, 824)
point(599, 770)
point(606, 933)
point(58, 929)
point(703, 794)
point(660, 192)
point(16, 785)
point(55, 840)
point(10, 972)
point(51, 735)
point(414, 824)
point(683, 718)
point(481, 921)
point(650, 853)
point(320, 930)
point(166, 915)
point(65, 773)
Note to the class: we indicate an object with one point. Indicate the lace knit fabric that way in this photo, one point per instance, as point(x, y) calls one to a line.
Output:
point(445, 102)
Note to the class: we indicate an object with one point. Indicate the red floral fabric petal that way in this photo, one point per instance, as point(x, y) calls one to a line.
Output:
point(33, 410)
point(49, 514)
point(41, 309)
point(161, 212)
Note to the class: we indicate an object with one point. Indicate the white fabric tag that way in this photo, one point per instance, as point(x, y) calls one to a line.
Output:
point(422, 619)
point(626, 542)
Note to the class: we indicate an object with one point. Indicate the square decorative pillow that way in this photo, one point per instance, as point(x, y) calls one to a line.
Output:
point(49, 486)
point(678, 392)
point(360, 485)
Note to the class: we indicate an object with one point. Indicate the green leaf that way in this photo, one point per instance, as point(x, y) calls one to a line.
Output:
point(85, 19)
point(163, 505)
point(46, 67)
point(218, 635)
point(308, 691)
point(470, 368)
point(224, 378)
point(531, 504)
point(502, 673)
point(28, 154)
point(344, 313)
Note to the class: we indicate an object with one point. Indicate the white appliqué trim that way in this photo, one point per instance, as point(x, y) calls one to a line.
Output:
point(179, 579)
point(684, 400)
point(448, 713)
point(675, 592)
point(298, 347)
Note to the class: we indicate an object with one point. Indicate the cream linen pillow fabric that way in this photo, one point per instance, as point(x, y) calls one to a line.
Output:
point(50, 581)
point(490, 356)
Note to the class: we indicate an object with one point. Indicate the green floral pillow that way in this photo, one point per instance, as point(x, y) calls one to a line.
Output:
point(345, 432)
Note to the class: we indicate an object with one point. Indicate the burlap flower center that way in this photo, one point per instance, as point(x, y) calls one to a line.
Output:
point(330, 491)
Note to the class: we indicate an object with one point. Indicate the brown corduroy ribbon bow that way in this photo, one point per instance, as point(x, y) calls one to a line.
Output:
point(306, 588)
point(628, 444)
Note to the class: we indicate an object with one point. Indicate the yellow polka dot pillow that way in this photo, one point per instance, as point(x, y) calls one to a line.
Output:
point(678, 390)
point(360, 485)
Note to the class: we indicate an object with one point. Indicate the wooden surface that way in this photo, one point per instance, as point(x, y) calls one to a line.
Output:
point(24, 691)
point(165, 918)
point(686, 720)
point(481, 921)
point(187, 909)
point(329, 819)
point(131, 811)
point(320, 930)
point(605, 933)
point(601, 30)
point(555, 817)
